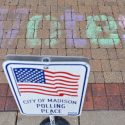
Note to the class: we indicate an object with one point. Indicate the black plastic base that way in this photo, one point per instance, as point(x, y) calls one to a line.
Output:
point(58, 121)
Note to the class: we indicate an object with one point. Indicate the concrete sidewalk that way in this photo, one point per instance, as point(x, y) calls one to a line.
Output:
point(87, 118)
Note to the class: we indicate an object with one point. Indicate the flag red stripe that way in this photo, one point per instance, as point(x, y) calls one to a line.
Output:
point(56, 87)
point(63, 91)
point(61, 73)
point(36, 89)
point(61, 84)
point(60, 80)
point(39, 93)
point(50, 84)
point(62, 77)
point(45, 93)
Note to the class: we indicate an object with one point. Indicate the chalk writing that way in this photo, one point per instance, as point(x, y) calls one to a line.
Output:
point(122, 24)
point(101, 29)
point(70, 21)
point(105, 35)
point(53, 31)
point(13, 31)
point(32, 32)
point(33, 25)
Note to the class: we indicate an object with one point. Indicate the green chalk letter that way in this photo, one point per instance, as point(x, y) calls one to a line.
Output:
point(54, 25)
point(93, 30)
point(32, 32)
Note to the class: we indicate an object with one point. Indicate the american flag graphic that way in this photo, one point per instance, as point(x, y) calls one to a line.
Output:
point(46, 82)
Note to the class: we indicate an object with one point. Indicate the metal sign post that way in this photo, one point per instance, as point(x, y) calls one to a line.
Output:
point(49, 121)
point(48, 85)
point(52, 120)
point(57, 120)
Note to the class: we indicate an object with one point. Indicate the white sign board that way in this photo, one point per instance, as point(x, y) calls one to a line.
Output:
point(48, 88)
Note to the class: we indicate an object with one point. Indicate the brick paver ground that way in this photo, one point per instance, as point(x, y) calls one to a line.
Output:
point(98, 97)
point(91, 28)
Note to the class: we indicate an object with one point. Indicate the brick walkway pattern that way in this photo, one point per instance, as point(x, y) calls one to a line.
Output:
point(98, 97)
point(91, 28)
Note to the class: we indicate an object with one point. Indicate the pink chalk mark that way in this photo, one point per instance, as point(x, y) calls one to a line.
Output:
point(70, 21)
point(12, 33)
point(122, 24)
point(122, 21)
point(123, 36)
point(70, 43)
point(79, 43)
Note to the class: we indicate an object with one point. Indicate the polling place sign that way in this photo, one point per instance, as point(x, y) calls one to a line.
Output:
point(47, 85)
